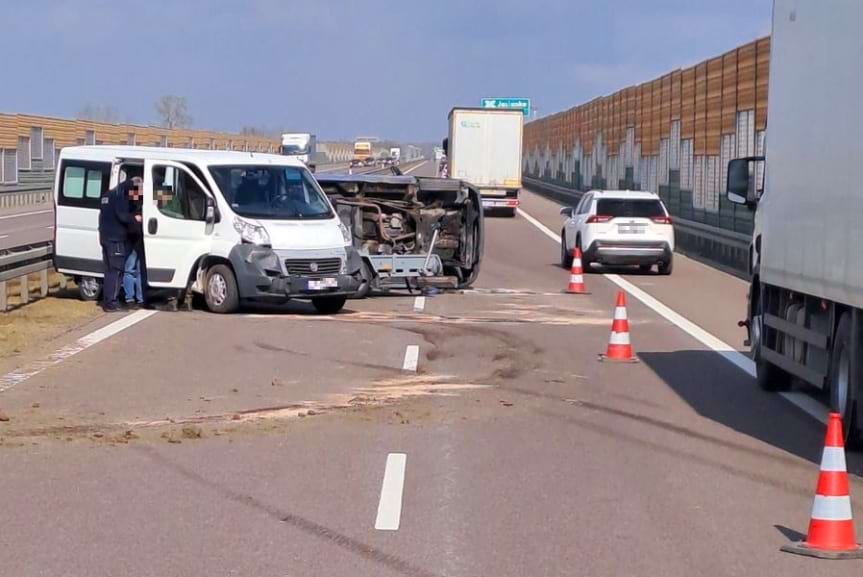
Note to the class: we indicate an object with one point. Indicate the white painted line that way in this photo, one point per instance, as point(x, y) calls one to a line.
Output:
point(419, 304)
point(390, 505)
point(20, 214)
point(412, 355)
point(803, 402)
point(52, 226)
point(413, 168)
point(20, 375)
point(4, 236)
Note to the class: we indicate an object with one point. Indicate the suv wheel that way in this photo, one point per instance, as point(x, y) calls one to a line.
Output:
point(565, 255)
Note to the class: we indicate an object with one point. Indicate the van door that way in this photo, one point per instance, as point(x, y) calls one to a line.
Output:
point(178, 215)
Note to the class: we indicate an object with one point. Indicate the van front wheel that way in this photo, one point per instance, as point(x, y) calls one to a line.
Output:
point(329, 305)
point(221, 293)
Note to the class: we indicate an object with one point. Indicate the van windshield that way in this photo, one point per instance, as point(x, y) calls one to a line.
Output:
point(271, 192)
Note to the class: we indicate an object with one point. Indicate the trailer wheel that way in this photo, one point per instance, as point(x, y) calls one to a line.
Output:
point(842, 390)
point(769, 376)
point(366, 283)
point(509, 212)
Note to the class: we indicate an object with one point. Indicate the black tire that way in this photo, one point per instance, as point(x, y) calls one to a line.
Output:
point(329, 305)
point(768, 376)
point(366, 283)
point(585, 262)
point(565, 255)
point(89, 288)
point(645, 267)
point(666, 267)
point(221, 292)
point(842, 385)
point(509, 212)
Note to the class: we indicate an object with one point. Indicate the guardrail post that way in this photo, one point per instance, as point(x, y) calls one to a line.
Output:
point(2, 296)
point(25, 289)
point(43, 283)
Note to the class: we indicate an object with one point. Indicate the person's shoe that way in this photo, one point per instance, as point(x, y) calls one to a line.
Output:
point(112, 309)
point(132, 306)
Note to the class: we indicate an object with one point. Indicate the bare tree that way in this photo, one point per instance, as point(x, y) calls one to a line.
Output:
point(173, 111)
point(99, 113)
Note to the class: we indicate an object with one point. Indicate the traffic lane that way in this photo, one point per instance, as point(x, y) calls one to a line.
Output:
point(710, 298)
point(178, 367)
point(21, 228)
point(520, 461)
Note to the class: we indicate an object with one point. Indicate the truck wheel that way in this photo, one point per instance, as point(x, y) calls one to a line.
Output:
point(221, 293)
point(565, 255)
point(509, 212)
point(329, 305)
point(89, 288)
point(842, 390)
point(665, 268)
point(769, 377)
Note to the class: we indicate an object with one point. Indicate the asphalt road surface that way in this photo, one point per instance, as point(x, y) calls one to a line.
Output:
point(507, 449)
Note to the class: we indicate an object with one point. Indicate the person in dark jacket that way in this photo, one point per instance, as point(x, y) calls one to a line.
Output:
point(115, 221)
point(134, 271)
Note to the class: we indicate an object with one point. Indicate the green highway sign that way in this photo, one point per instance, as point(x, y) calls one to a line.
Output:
point(522, 104)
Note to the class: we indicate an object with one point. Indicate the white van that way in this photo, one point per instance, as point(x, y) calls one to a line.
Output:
point(232, 226)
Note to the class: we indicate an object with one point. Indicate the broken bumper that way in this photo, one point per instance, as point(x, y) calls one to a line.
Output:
point(261, 275)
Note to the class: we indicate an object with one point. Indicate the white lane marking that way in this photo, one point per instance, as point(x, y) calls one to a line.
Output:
point(803, 402)
point(20, 214)
point(20, 375)
point(413, 168)
point(390, 505)
point(412, 355)
point(419, 304)
point(4, 236)
point(51, 226)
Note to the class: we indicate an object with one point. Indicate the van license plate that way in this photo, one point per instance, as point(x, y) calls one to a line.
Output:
point(324, 283)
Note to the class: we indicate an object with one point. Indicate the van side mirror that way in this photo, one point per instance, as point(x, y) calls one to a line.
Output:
point(566, 211)
point(210, 215)
point(742, 187)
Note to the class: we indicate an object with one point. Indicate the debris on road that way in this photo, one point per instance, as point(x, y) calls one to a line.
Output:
point(4, 418)
point(192, 432)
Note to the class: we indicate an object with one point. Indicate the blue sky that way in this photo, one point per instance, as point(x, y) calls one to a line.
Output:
point(342, 68)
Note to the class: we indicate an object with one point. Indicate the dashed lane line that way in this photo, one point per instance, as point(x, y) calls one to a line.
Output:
point(419, 304)
point(392, 489)
point(20, 375)
point(413, 168)
point(802, 401)
point(412, 355)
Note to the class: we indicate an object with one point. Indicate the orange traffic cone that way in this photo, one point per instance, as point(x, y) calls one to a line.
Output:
point(619, 347)
point(576, 275)
point(831, 528)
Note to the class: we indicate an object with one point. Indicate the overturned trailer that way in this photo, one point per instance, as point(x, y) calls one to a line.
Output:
point(411, 231)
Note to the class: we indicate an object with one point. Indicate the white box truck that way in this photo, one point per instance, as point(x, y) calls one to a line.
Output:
point(805, 314)
point(300, 145)
point(484, 149)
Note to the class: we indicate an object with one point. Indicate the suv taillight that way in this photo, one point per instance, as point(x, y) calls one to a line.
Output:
point(597, 218)
point(662, 219)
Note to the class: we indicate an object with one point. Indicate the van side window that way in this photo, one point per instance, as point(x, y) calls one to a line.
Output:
point(83, 183)
point(177, 195)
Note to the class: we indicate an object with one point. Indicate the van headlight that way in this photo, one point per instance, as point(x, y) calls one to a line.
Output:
point(251, 233)
point(346, 234)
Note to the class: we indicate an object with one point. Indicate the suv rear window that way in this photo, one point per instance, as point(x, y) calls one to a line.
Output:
point(633, 208)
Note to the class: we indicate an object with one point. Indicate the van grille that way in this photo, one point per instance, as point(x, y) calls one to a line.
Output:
point(305, 266)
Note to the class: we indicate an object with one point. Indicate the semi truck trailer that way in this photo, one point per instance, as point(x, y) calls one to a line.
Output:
point(484, 149)
point(805, 310)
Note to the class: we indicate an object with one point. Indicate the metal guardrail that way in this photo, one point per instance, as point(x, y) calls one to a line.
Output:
point(19, 265)
point(25, 197)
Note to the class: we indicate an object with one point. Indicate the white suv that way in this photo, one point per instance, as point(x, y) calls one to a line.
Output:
point(619, 227)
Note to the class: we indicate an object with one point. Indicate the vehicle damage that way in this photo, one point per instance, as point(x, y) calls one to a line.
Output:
point(410, 231)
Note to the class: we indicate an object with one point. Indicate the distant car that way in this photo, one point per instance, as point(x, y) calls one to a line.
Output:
point(619, 227)
point(355, 162)
point(370, 161)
